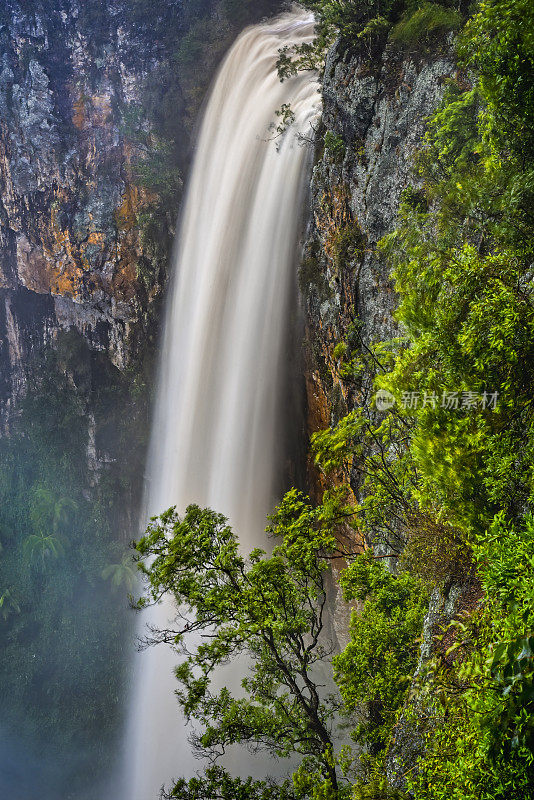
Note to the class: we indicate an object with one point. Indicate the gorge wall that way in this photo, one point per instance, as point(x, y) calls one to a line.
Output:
point(373, 124)
point(69, 243)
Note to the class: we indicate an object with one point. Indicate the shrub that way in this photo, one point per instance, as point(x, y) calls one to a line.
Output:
point(481, 747)
point(334, 146)
point(373, 672)
point(424, 25)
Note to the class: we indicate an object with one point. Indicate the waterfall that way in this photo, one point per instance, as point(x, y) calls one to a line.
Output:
point(216, 434)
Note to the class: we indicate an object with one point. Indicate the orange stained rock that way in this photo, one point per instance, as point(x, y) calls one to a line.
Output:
point(126, 214)
point(334, 215)
point(78, 115)
point(91, 110)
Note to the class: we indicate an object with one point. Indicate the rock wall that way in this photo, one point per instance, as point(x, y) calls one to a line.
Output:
point(373, 123)
point(68, 242)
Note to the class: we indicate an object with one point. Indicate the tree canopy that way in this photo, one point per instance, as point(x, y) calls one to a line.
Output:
point(268, 612)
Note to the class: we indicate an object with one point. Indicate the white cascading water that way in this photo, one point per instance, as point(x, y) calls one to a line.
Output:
point(215, 439)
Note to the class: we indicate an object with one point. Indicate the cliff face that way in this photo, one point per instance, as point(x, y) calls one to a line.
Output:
point(373, 123)
point(68, 239)
point(374, 120)
point(98, 107)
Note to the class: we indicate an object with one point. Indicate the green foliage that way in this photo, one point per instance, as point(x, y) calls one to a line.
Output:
point(377, 789)
point(376, 451)
point(424, 25)
point(414, 199)
point(334, 146)
point(374, 670)
point(506, 566)
point(365, 25)
point(462, 270)
point(217, 784)
point(156, 173)
point(122, 574)
point(40, 546)
point(467, 339)
point(499, 45)
point(50, 512)
point(462, 257)
point(286, 117)
point(447, 478)
point(62, 629)
point(307, 56)
point(351, 17)
point(270, 609)
point(483, 744)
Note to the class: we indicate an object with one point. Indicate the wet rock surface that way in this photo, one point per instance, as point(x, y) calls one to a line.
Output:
point(69, 243)
point(377, 122)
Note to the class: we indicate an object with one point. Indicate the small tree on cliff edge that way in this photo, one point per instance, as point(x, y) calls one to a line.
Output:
point(272, 611)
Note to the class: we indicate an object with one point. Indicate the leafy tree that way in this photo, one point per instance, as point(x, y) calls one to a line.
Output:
point(268, 609)
point(481, 746)
point(42, 546)
point(122, 574)
point(373, 672)
point(217, 784)
point(499, 45)
point(350, 17)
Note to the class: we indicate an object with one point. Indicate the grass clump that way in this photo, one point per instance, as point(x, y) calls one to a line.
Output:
point(424, 25)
